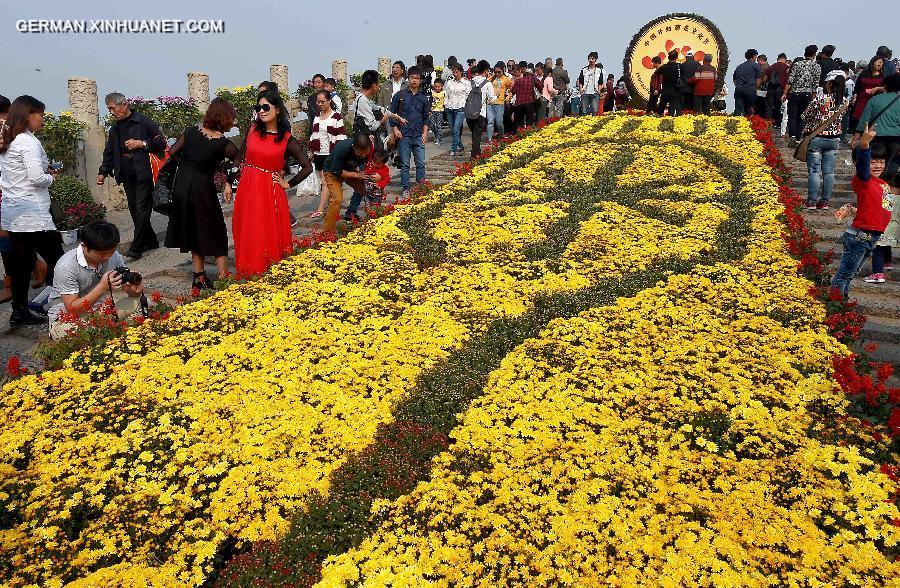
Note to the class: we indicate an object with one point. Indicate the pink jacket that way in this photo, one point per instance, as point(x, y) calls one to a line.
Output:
point(549, 91)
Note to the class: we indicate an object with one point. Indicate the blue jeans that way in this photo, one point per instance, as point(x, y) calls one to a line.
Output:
point(355, 200)
point(858, 245)
point(405, 147)
point(880, 256)
point(437, 119)
point(575, 106)
point(820, 160)
point(590, 103)
point(744, 101)
point(494, 118)
point(455, 117)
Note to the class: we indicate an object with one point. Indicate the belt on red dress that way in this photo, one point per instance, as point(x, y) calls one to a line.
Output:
point(274, 183)
point(260, 168)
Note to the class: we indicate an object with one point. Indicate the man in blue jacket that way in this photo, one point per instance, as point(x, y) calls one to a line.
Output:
point(414, 106)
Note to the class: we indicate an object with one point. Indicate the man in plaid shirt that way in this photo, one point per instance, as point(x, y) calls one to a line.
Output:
point(523, 88)
point(655, 86)
point(802, 85)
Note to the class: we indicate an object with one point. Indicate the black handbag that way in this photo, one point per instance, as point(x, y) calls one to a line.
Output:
point(164, 190)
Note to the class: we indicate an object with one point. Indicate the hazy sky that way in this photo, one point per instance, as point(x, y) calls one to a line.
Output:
point(306, 36)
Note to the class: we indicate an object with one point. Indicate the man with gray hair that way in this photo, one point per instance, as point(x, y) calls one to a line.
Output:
point(132, 138)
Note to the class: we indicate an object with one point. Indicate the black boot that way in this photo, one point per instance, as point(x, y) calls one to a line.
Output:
point(23, 316)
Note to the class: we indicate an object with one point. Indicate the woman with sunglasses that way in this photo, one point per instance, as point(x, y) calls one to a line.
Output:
point(262, 221)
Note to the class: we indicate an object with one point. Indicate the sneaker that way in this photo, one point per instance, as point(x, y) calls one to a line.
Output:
point(133, 255)
point(888, 267)
point(294, 220)
point(874, 279)
point(822, 206)
point(810, 207)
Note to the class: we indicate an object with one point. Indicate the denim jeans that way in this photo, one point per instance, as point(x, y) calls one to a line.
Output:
point(744, 101)
point(880, 256)
point(559, 102)
point(494, 119)
point(355, 200)
point(820, 160)
point(437, 119)
point(407, 146)
point(858, 245)
point(590, 103)
point(455, 117)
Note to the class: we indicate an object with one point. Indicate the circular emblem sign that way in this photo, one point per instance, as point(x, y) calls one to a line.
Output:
point(683, 32)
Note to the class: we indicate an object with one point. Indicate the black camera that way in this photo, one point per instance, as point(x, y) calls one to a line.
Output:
point(128, 276)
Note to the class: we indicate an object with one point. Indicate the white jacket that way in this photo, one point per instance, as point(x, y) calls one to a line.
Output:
point(25, 184)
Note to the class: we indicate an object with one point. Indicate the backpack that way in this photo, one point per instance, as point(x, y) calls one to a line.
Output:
point(474, 101)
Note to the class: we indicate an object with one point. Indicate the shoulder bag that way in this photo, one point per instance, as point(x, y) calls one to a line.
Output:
point(164, 190)
point(803, 148)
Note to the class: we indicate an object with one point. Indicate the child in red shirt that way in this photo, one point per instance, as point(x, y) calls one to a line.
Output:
point(381, 176)
point(874, 203)
point(377, 177)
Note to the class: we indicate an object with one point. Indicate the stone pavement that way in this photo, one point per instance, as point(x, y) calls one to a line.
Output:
point(169, 271)
point(879, 302)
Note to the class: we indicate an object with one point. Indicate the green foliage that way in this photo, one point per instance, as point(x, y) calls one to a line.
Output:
point(171, 113)
point(72, 204)
point(356, 79)
point(60, 137)
point(243, 98)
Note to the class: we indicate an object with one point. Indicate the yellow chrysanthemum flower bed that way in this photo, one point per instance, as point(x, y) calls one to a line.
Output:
point(653, 423)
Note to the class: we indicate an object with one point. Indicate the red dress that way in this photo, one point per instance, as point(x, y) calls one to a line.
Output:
point(262, 221)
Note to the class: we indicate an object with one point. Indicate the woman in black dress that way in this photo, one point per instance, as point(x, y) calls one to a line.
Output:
point(196, 223)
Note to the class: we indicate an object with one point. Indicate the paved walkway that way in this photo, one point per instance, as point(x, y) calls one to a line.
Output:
point(169, 271)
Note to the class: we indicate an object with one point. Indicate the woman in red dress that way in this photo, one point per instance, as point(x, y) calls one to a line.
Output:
point(262, 221)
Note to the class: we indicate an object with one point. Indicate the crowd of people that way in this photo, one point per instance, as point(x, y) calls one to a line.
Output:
point(817, 97)
point(824, 101)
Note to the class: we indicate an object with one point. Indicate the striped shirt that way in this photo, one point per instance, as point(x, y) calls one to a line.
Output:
point(326, 133)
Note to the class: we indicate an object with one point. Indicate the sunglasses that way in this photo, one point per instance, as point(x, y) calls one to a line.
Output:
point(262, 107)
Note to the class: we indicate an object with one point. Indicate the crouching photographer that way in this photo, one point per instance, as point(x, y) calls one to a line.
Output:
point(87, 274)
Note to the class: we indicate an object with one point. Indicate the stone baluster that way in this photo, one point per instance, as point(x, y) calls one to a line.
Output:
point(198, 89)
point(384, 66)
point(83, 104)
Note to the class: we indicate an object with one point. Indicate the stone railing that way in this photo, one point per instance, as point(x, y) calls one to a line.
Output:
point(84, 104)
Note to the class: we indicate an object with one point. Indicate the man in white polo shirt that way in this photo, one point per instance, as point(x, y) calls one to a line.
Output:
point(86, 274)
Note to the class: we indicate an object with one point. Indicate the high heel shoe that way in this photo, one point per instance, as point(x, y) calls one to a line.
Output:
point(201, 281)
